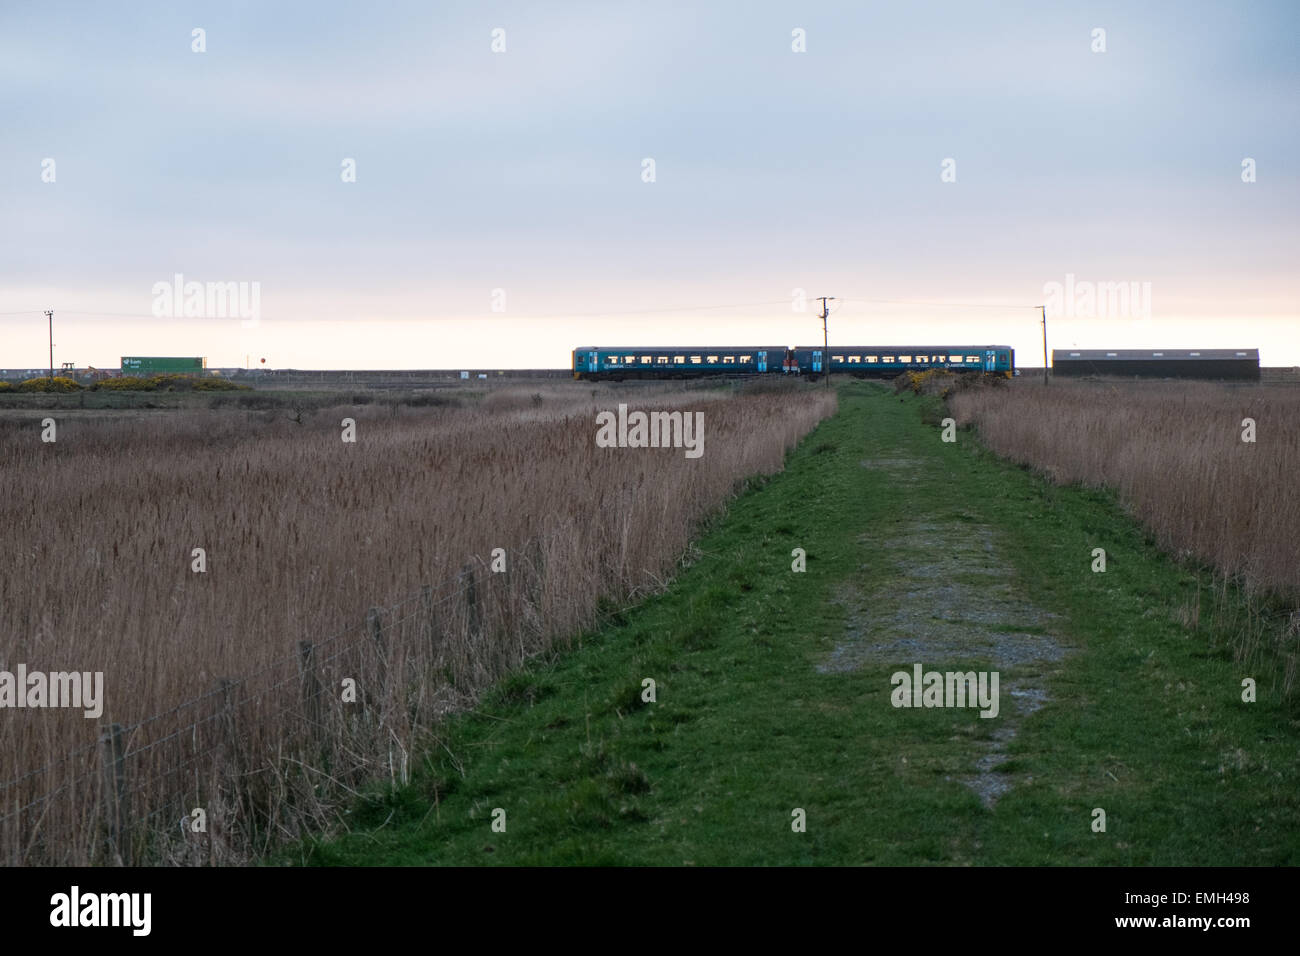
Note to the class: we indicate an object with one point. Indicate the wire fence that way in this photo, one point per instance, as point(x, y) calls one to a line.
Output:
point(263, 757)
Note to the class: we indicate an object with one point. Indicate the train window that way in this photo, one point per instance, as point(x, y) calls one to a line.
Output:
point(728, 360)
point(695, 360)
point(746, 359)
point(679, 359)
point(870, 359)
point(886, 358)
point(941, 358)
point(611, 359)
point(837, 358)
point(1002, 356)
point(646, 359)
point(905, 358)
point(661, 359)
point(972, 359)
point(713, 360)
point(629, 359)
point(854, 359)
point(922, 360)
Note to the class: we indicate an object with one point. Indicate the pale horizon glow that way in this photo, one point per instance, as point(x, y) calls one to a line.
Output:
point(521, 171)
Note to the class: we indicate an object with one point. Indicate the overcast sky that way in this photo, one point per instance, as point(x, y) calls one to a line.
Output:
point(524, 171)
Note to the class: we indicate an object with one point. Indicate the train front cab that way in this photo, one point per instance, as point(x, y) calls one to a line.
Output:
point(585, 361)
point(998, 360)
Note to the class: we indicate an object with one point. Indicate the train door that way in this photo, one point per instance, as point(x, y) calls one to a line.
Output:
point(817, 360)
point(762, 361)
point(990, 360)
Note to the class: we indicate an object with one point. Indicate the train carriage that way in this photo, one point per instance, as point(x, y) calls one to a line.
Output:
point(863, 361)
point(869, 361)
point(640, 362)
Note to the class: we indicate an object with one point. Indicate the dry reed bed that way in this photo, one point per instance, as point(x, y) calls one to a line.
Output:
point(1175, 455)
point(303, 534)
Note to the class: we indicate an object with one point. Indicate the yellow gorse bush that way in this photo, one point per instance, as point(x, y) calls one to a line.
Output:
point(165, 382)
point(57, 384)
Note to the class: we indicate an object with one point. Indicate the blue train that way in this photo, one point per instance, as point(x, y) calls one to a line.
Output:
point(863, 361)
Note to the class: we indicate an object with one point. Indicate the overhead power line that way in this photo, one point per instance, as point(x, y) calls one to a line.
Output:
point(509, 314)
point(927, 303)
point(933, 304)
point(127, 315)
point(684, 308)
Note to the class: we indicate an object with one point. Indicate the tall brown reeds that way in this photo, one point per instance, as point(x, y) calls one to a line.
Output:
point(332, 568)
point(1175, 453)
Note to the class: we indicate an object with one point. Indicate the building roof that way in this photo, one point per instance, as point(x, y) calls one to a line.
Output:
point(1153, 355)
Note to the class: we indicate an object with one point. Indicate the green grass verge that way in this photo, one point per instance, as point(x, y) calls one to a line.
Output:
point(1143, 719)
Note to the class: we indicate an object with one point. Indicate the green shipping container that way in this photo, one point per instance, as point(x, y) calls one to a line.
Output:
point(155, 365)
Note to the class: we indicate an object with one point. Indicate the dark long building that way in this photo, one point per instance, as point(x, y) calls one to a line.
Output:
point(1213, 364)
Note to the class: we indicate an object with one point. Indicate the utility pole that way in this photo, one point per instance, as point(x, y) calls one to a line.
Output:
point(49, 314)
point(1044, 308)
point(826, 348)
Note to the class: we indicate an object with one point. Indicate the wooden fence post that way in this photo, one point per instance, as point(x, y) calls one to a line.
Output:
point(430, 625)
point(115, 794)
point(228, 724)
point(472, 602)
point(234, 757)
point(536, 582)
point(375, 625)
point(310, 687)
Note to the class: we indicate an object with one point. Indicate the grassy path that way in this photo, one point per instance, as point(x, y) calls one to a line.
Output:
point(773, 693)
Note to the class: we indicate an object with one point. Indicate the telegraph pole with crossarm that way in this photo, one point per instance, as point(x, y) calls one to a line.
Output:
point(826, 348)
point(1044, 308)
